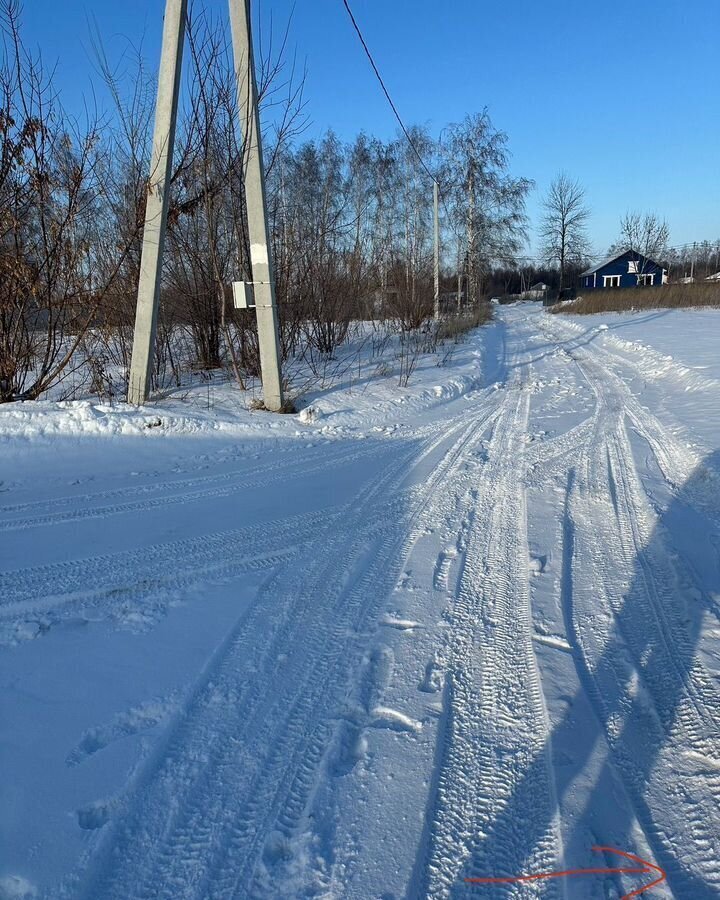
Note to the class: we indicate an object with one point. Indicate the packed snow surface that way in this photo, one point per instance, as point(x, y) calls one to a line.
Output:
point(466, 629)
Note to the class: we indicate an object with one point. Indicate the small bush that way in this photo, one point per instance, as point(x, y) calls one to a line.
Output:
point(668, 296)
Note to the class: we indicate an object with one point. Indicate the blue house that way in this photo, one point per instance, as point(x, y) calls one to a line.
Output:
point(628, 269)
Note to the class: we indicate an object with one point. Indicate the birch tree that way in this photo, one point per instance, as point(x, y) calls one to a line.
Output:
point(488, 203)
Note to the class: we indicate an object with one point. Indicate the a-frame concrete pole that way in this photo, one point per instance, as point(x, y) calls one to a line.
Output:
point(157, 201)
point(260, 257)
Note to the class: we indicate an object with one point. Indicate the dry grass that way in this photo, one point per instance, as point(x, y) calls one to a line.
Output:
point(454, 327)
point(669, 296)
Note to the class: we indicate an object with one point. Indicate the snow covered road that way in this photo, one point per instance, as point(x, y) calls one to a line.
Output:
point(471, 629)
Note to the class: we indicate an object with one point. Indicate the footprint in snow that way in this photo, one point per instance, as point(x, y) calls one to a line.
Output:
point(132, 721)
point(432, 683)
point(367, 711)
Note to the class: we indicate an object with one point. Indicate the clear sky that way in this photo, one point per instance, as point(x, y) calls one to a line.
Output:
point(623, 96)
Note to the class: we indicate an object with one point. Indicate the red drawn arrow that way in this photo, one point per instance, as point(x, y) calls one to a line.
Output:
point(645, 868)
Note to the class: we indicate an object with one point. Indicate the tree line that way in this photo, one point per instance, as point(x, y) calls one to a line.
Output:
point(351, 221)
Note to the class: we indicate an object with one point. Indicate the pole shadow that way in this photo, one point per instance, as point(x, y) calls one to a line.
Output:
point(642, 686)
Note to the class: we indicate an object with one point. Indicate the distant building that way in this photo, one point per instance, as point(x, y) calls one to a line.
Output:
point(627, 269)
point(536, 292)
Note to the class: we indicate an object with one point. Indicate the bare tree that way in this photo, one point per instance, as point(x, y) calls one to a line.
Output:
point(646, 236)
point(57, 269)
point(127, 140)
point(563, 227)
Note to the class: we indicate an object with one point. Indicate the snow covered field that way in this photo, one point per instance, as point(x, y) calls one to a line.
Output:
point(468, 628)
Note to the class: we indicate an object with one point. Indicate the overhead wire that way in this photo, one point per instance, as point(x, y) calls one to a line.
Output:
point(386, 92)
point(398, 116)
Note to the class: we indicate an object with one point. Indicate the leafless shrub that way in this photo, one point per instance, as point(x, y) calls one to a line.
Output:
point(408, 355)
point(54, 272)
point(383, 370)
point(411, 303)
point(414, 343)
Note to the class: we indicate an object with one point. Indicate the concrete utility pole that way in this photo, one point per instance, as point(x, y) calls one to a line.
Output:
point(436, 223)
point(157, 201)
point(158, 197)
point(262, 268)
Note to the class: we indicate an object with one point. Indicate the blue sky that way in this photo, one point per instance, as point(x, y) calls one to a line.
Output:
point(624, 97)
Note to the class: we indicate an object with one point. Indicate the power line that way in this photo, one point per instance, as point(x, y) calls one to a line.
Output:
point(527, 258)
point(397, 114)
point(385, 90)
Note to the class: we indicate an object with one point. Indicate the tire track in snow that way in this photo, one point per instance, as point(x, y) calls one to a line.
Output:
point(245, 753)
point(333, 867)
point(206, 487)
point(131, 569)
point(496, 724)
point(169, 484)
point(674, 458)
point(654, 698)
point(377, 583)
point(539, 457)
point(137, 586)
point(203, 494)
point(282, 813)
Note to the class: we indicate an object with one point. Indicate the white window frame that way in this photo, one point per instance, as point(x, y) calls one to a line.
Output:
point(609, 279)
point(641, 276)
point(632, 267)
